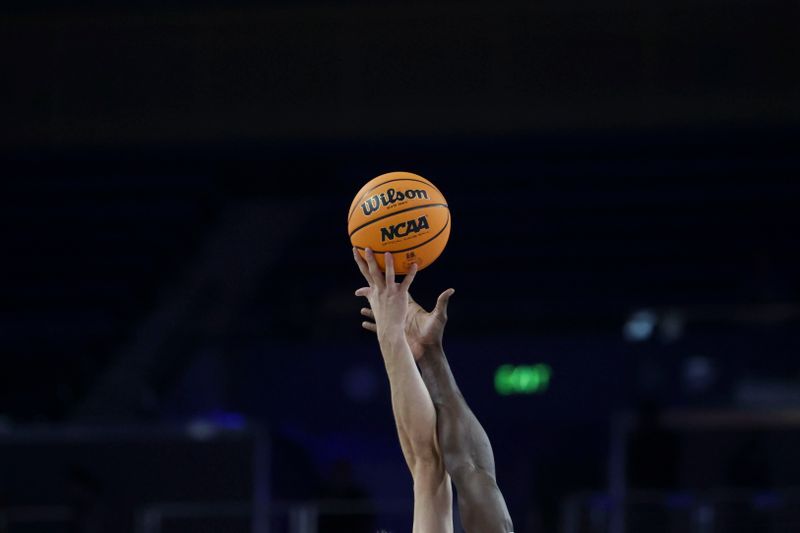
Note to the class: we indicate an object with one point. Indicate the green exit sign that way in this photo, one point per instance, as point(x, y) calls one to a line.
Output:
point(522, 379)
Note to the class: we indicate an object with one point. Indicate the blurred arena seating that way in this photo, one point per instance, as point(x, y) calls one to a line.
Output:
point(83, 259)
point(562, 239)
point(91, 255)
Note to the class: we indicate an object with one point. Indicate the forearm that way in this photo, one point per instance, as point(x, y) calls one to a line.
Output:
point(465, 447)
point(437, 376)
point(461, 437)
point(433, 500)
point(415, 418)
point(413, 409)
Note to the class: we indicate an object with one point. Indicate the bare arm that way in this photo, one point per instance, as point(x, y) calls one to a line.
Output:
point(466, 449)
point(464, 445)
point(414, 413)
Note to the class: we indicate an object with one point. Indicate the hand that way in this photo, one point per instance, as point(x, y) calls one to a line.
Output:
point(423, 329)
point(389, 300)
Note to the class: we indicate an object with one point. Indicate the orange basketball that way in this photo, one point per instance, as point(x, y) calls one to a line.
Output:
point(402, 213)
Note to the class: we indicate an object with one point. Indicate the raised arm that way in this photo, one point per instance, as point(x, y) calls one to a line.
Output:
point(465, 447)
point(414, 413)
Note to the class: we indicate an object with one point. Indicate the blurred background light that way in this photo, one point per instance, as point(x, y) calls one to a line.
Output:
point(522, 379)
point(640, 326)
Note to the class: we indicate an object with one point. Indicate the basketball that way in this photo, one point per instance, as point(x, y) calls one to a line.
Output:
point(401, 213)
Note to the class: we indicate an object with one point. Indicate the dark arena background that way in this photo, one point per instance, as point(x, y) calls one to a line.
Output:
point(180, 347)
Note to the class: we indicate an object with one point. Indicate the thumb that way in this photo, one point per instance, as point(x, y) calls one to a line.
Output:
point(442, 301)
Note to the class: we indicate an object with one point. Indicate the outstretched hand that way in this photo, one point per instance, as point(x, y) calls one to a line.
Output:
point(387, 298)
point(423, 329)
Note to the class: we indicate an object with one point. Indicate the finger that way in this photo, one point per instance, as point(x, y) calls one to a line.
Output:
point(409, 277)
point(369, 326)
point(362, 266)
point(442, 301)
point(388, 259)
point(367, 312)
point(374, 269)
point(363, 291)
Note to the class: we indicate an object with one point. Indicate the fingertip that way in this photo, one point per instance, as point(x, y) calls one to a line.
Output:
point(444, 298)
point(412, 272)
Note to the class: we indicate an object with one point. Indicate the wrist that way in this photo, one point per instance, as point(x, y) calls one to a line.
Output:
point(391, 334)
point(433, 347)
point(429, 355)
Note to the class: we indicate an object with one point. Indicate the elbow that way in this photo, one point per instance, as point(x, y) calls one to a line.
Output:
point(424, 446)
point(428, 471)
point(426, 461)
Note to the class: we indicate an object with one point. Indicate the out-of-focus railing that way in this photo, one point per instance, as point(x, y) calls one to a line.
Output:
point(586, 512)
point(292, 517)
point(233, 516)
point(722, 511)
